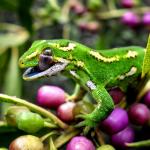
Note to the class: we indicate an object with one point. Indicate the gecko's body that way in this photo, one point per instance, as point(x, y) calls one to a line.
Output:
point(92, 69)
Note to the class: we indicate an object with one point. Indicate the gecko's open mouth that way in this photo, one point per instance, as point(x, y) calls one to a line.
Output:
point(35, 72)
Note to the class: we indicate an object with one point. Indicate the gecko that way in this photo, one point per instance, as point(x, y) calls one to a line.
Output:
point(94, 70)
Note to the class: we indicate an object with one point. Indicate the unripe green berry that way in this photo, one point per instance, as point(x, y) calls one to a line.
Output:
point(30, 122)
point(12, 112)
point(106, 147)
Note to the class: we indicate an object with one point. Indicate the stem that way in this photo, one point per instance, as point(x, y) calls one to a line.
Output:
point(111, 5)
point(51, 144)
point(54, 4)
point(78, 94)
point(44, 137)
point(49, 125)
point(35, 108)
point(145, 143)
point(99, 136)
point(62, 139)
point(117, 13)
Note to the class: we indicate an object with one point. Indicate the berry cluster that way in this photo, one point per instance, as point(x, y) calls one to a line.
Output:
point(127, 12)
point(119, 125)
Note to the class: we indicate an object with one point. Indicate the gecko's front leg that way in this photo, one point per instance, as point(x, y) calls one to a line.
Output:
point(103, 108)
point(104, 101)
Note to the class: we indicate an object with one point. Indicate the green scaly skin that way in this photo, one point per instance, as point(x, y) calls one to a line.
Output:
point(93, 70)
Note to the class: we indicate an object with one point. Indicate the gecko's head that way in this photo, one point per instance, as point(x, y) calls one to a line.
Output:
point(46, 58)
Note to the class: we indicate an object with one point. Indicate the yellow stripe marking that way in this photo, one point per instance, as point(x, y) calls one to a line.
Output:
point(98, 56)
point(131, 54)
point(70, 46)
point(80, 64)
point(132, 71)
point(34, 54)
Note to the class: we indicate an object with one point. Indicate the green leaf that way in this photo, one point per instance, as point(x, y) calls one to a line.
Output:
point(146, 62)
point(9, 5)
point(12, 81)
point(11, 36)
point(12, 85)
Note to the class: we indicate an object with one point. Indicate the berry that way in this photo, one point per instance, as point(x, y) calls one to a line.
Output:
point(91, 26)
point(116, 121)
point(50, 96)
point(12, 112)
point(30, 122)
point(65, 111)
point(147, 99)
point(128, 3)
point(125, 136)
point(78, 8)
point(146, 19)
point(80, 143)
point(26, 142)
point(130, 19)
point(116, 94)
point(139, 114)
point(106, 147)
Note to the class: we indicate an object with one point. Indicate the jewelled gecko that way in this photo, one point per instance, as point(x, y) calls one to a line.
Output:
point(94, 70)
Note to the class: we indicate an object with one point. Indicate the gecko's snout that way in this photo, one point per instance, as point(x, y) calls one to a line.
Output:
point(21, 63)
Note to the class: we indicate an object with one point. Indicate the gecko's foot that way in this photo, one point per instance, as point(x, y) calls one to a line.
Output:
point(86, 121)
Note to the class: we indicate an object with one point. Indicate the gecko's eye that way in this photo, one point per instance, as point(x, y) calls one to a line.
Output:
point(45, 59)
point(47, 52)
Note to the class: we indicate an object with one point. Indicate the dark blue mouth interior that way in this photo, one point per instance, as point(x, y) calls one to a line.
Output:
point(34, 71)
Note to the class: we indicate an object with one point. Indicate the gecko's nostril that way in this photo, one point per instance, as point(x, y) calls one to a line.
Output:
point(21, 64)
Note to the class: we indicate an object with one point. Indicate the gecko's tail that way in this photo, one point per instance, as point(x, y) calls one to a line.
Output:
point(146, 62)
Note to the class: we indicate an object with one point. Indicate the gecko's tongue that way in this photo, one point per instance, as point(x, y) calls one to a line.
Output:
point(33, 73)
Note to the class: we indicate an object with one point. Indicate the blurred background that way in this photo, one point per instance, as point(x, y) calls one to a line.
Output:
point(100, 24)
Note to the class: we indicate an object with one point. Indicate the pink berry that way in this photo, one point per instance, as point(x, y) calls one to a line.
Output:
point(146, 19)
point(65, 111)
point(128, 3)
point(80, 143)
point(125, 136)
point(116, 121)
point(130, 19)
point(139, 114)
point(50, 96)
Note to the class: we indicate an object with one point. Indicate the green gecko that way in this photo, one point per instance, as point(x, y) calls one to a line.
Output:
point(93, 70)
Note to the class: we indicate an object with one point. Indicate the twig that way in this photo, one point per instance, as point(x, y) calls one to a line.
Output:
point(35, 108)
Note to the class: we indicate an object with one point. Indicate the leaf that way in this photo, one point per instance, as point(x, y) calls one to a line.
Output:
point(11, 36)
point(12, 81)
point(24, 14)
point(9, 5)
point(146, 62)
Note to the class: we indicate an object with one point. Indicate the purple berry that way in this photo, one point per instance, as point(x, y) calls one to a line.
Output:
point(50, 96)
point(139, 114)
point(116, 94)
point(125, 136)
point(146, 19)
point(65, 111)
point(128, 3)
point(147, 99)
point(130, 19)
point(116, 121)
point(80, 143)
